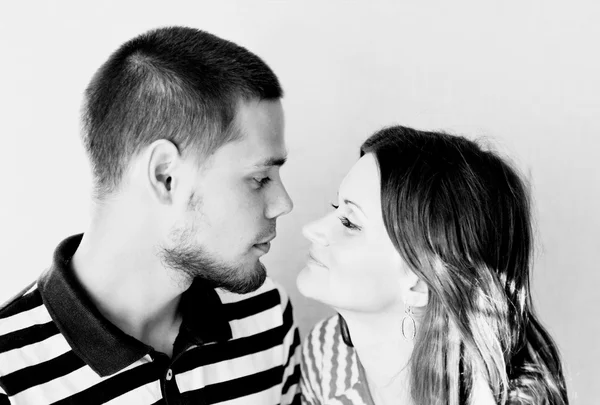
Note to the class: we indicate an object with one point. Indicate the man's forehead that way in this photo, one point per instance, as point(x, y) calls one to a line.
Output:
point(256, 152)
point(243, 156)
point(260, 141)
point(250, 111)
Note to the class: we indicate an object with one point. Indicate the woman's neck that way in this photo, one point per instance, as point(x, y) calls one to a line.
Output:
point(383, 352)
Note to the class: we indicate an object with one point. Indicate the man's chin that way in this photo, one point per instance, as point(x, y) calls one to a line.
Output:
point(246, 281)
point(239, 278)
point(253, 282)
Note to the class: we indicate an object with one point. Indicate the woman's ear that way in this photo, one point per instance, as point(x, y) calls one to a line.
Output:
point(418, 295)
point(416, 292)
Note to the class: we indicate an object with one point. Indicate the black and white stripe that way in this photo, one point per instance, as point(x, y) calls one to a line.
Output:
point(259, 365)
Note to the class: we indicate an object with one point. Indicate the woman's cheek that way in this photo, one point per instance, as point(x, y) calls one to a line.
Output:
point(353, 265)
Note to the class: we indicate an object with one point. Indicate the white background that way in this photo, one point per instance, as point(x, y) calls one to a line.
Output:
point(525, 75)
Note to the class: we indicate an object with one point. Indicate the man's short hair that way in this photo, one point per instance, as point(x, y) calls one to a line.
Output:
point(175, 83)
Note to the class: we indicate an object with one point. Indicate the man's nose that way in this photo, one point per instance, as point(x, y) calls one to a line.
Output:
point(281, 205)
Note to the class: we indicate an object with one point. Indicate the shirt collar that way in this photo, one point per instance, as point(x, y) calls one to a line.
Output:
point(103, 346)
point(345, 332)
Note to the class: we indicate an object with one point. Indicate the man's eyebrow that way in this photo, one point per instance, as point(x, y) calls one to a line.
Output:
point(272, 161)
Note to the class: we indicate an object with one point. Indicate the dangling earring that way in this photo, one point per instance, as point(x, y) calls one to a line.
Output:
point(408, 319)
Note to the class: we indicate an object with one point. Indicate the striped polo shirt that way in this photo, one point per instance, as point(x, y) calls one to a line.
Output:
point(56, 348)
point(331, 372)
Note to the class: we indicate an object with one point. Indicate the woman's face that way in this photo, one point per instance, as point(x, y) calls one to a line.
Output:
point(353, 264)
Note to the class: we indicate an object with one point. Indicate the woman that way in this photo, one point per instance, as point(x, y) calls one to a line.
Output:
point(426, 259)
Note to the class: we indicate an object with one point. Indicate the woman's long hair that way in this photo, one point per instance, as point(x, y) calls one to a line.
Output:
point(460, 218)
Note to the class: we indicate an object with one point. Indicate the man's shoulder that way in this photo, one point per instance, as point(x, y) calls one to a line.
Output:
point(9, 306)
point(22, 302)
point(23, 318)
point(25, 326)
point(262, 311)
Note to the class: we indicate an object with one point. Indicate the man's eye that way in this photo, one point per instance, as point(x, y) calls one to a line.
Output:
point(335, 207)
point(262, 181)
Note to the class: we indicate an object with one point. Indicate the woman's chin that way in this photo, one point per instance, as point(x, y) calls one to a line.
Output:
point(308, 283)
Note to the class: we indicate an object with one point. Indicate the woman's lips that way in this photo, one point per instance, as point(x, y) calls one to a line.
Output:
point(315, 261)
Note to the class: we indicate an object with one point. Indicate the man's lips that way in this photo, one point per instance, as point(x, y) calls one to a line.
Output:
point(267, 239)
point(265, 247)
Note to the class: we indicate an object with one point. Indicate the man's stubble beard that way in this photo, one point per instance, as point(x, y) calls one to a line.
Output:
point(191, 260)
point(195, 262)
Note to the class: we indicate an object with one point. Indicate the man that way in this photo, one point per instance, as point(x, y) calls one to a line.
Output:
point(164, 298)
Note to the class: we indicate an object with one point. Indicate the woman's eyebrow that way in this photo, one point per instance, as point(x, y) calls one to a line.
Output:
point(356, 205)
point(350, 202)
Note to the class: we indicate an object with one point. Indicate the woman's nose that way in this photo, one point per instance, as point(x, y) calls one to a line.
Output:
point(315, 232)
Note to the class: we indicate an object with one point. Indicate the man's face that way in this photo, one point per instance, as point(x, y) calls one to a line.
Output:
point(236, 199)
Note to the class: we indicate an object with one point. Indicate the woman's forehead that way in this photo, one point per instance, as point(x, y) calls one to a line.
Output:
point(362, 185)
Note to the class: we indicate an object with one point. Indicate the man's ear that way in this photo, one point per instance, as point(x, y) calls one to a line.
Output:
point(163, 160)
point(416, 292)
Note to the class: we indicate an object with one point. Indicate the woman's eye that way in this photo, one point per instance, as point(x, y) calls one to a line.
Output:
point(346, 222)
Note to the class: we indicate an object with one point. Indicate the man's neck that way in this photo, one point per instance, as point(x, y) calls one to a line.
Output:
point(129, 285)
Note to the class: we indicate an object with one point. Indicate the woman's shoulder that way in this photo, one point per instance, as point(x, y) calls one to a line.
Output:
point(329, 365)
point(324, 333)
point(324, 341)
